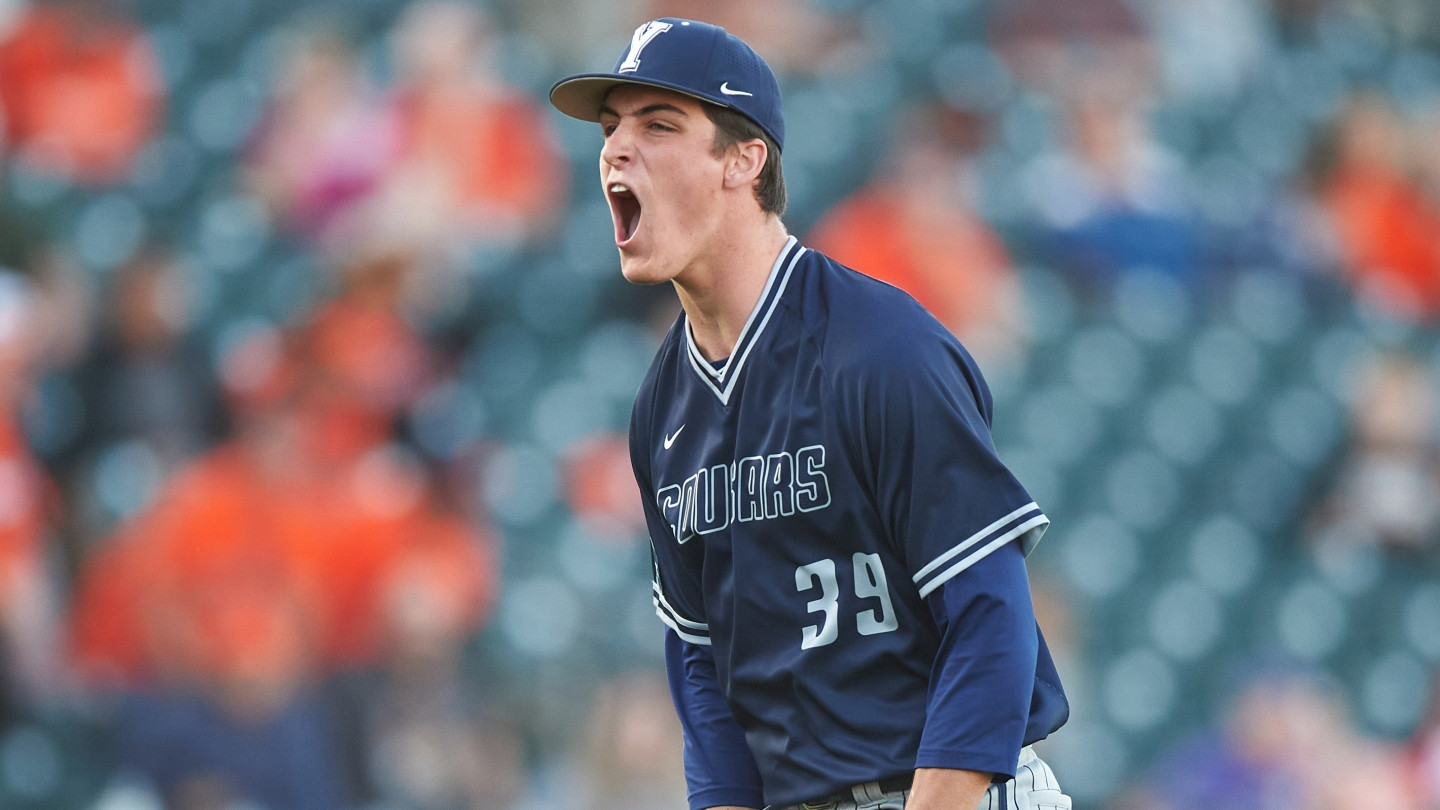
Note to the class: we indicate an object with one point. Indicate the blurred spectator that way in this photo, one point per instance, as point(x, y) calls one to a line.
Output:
point(600, 485)
point(279, 557)
point(245, 739)
point(65, 306)
point(1296, 233)
point(250, 575)
point(147, 389)
point(229, 627)
point(1385, 222)
point(80, 92)
point(479, 164)
point(415, 725)
point(1386, 490)
point(30, 671)
point(445, 164)
point(268, 510)
point(362, 341)
point(914, 226)
point(633, 746)
point(323, 420)
point(150, 382)
point(1286, 743)
point(795, 36)
point(1113, 200)
point(325, 143)
point(1048, 44)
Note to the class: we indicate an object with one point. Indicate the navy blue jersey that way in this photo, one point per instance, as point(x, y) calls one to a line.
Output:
point(838, 551)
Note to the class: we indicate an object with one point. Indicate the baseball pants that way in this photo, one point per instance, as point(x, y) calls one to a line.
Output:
point(1033, 788)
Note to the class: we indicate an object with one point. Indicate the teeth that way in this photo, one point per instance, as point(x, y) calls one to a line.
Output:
point(618, 188)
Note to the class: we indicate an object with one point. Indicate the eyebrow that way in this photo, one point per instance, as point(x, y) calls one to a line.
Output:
point(646, 110)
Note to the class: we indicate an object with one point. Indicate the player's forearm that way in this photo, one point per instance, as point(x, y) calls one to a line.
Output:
point(947, 789)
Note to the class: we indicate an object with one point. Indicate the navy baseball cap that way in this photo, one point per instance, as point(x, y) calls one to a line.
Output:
point(695, 58)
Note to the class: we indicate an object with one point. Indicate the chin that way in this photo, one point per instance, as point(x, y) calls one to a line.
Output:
point(640, 271)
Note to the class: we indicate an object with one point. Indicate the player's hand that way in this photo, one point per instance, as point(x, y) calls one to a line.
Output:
point(947, 789)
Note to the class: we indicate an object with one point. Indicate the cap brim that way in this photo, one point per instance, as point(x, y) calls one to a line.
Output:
point(581, 96)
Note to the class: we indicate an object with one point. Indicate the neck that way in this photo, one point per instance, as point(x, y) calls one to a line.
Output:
point(719, 295)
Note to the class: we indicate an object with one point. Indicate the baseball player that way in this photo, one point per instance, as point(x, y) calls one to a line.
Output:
point(838, 553)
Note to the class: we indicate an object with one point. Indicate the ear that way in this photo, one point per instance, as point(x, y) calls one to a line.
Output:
point(743, 163)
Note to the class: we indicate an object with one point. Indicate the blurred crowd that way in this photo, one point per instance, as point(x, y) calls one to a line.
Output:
point(315, 371)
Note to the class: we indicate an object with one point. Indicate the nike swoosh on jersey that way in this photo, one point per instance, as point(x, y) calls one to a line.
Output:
point(669, 440)
point(725, 88)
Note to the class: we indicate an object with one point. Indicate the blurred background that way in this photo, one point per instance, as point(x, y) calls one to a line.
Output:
point(316, 366)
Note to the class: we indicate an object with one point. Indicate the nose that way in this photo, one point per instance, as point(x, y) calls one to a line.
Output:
point(616, 151)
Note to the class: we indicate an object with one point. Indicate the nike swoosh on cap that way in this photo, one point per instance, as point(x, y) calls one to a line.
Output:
point(725, 88)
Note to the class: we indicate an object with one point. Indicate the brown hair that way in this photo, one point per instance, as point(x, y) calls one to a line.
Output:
point(733, 128)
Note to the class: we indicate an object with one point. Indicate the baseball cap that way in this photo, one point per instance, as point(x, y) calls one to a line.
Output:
point(691, 57)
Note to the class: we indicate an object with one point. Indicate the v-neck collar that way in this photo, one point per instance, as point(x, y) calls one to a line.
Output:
point(721, 381)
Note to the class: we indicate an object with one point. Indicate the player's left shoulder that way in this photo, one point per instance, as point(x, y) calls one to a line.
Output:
point(873, 337)
point(845, 303)
point(865, 323)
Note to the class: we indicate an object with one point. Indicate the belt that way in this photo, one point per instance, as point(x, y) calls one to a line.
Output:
point(893, 784)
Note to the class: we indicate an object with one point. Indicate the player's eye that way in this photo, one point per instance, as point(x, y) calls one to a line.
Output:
point(606, 130)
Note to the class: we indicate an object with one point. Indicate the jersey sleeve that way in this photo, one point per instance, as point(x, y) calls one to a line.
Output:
point(984, 673)
point(963, 524)
point(920, 417)
point(719, 768)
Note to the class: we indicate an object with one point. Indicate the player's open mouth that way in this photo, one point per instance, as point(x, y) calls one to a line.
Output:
point(625, 209)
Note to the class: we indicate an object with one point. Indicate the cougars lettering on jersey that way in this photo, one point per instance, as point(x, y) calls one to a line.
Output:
point(758, 487)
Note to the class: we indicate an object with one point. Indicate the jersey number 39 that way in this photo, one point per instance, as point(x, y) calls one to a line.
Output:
point(869, 584)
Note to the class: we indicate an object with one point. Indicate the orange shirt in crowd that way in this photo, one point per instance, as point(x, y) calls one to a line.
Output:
point(369, 350)
point(27, 508)
point(949, 261)
point(1390, 238)
point(496, 150)
point(203, 584)
point(107, 638)
point(79, 90)
point(212, 549)
point(600, 484)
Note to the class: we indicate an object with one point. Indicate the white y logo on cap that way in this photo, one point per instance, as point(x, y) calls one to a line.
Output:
point(638, 41)
point(725, 88)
